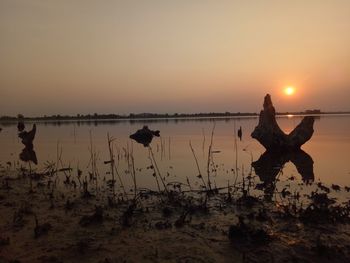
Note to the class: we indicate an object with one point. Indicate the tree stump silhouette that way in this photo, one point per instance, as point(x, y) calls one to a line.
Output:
point(270, 135)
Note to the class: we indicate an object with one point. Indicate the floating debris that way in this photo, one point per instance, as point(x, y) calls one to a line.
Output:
point(144, 135)
point(239, 133)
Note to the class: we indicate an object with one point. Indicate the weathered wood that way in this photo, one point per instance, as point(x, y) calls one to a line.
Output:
point(27, 137)
point(270, 135)
point(144, 135)
point(28, 153)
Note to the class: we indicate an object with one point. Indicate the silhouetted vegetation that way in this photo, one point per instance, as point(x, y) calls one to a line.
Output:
point(135, 116)
point(256, 217)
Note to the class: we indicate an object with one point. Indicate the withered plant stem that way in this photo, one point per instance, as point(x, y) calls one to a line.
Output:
point(169, 143)
point(156, 166)
point(111, 159)
point(114, 167)
point(134, 175)
point(199, 171)
point(203, 143)
point(209, 156)
point(93, 159)
point(235, 147)
point(154, 171)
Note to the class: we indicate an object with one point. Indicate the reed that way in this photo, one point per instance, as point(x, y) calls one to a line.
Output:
point(209, 157)
point(111, 162)
point(157, 169)
point(120, 179)
point(203, 142)
point(199, 170)
point(235, 147)
point(114, 167)
point(58, 156)
point(93, 162)
point(59, 152)
point(162, 147)
point(133, 174)
point(131, 167)
point(169, 151)
point(154, 171)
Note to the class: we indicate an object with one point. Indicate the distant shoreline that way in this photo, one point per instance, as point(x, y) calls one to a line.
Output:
point(158, 117)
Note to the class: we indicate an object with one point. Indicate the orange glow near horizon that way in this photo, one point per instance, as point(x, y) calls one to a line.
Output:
point(172, 56)
point(289, 91)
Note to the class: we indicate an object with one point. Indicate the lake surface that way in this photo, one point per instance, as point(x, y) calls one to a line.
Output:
point(329, 149)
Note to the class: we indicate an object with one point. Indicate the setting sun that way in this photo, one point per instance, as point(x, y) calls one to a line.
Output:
point(289, 90)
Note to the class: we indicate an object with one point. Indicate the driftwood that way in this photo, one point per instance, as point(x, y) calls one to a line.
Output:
point(270, 135)
point(27, 137)
point(28, 153)
point(144, 135)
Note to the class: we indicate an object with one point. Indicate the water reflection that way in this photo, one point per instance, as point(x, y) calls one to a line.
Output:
point(28, 155)
point(329, 147)
point(270, 164)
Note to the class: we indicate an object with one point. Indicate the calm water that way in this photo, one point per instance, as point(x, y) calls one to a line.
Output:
point(329, 148)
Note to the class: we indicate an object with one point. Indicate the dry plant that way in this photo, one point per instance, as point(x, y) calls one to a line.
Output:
point(133, 174)
point(93, 162)
point(169, 152)
point(199, 171)
point(210, 157)
point(111, 162)
point(235, 147)
point(131, 167)
point(203, 143)
point(58, 158)
point(113, 166)
point(156, 169)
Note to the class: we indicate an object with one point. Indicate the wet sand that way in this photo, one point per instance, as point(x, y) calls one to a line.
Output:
point(71, 227)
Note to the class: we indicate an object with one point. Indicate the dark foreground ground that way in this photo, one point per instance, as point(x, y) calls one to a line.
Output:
point(44, 224)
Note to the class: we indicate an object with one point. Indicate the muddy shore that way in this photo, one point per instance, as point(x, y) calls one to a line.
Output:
point(39, 224)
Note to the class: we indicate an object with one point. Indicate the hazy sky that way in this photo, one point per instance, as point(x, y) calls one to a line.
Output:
point(81, 56)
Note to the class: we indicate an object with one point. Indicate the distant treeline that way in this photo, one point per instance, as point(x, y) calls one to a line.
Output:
point(97, 116)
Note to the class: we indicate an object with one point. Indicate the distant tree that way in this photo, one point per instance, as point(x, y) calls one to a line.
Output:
point(20, 116)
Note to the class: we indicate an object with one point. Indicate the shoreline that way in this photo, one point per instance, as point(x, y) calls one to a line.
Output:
point(162, 117)
point(217, 227)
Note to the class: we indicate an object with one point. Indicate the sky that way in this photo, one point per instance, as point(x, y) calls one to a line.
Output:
point(186, 56)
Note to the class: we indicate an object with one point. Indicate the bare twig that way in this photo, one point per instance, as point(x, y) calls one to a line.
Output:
point(199, 171)
point(157, 169)
point(210, 156)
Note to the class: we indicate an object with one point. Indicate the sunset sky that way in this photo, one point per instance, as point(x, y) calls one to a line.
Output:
point(82, 56)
